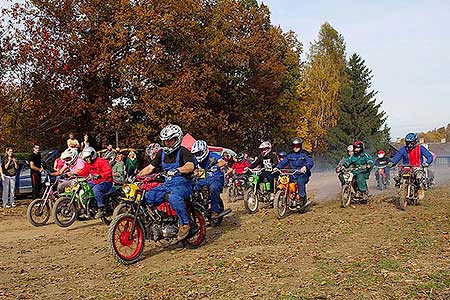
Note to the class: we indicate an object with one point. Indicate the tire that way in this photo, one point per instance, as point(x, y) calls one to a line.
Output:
point(231, 194)
point(64, 212)
point(280, 204)
point(346, 196)
point(251, 201)
point(403, 196)
point(122, 208)
point(197, 239)
point(38, 212)
point(118, 234)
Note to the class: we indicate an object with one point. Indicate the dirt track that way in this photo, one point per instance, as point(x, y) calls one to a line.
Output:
point(366, 252)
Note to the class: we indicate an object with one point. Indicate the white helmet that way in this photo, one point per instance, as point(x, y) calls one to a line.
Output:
point(200, 150)
point(350, 148)
point(69, 155)
point(168, 133)
point(88, 152)
point(265, 148)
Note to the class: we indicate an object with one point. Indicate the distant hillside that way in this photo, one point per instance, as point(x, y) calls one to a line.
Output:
point(436, 135)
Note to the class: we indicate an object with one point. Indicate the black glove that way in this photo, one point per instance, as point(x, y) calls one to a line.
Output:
point(96, 176)
point(390, 164)
point(425, 164)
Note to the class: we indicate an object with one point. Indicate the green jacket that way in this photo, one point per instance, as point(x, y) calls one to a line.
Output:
point(360, 160)
point(131, 164)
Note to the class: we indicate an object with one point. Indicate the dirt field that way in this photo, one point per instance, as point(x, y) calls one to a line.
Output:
point(365, 252)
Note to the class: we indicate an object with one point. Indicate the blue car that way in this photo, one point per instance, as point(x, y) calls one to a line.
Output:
point(23, 174)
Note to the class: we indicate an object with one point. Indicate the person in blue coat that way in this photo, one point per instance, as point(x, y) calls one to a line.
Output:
point(300, 160)
point(212, 164)
point(412, 153)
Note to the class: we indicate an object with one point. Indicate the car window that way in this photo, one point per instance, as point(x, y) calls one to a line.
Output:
point(26, 171)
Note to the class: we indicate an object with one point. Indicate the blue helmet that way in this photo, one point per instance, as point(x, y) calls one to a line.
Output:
point(200, 150)
point(282, 154)
point(411, 141)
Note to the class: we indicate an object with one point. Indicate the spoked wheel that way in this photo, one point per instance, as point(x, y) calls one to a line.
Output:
point(125, 246)
point(64, 212)
point(251, 201)
point(122, 208)
point(281, 204)
point(38, 212)
point(232, 193)
point(346, 196)
point(403, 196)
point(198, 229)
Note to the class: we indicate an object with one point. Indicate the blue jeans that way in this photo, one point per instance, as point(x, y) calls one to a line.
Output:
point(302, 180)
point(215, 185)
point(177, 194)
point(99, 190)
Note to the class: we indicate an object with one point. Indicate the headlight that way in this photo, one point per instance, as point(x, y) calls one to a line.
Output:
point(47, 183)
point(284, 179)
point(251, 179)
point(126, 189)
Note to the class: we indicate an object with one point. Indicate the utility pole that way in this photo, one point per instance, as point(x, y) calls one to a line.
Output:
point(117, 139)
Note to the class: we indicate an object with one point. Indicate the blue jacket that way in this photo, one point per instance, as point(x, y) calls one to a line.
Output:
point(403, 154)
point(296, 161)
point(209, 162)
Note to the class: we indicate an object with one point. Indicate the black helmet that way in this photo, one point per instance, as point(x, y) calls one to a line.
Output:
point(297, 143)
point(240, 157)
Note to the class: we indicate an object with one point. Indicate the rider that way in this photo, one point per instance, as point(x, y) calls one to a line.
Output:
point(72, 166)
point(212, 164)
point(411, 154)
point(267, 160)
point(382, 163)
point(239, 166)
point(302, 161)
point(102, 179)
point(178, 163)
point(281, 155)
point(341, 163)
point(360, 159)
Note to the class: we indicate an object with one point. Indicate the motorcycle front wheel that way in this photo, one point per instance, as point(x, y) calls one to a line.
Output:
point(251, 201)
point(281, 208)
point(403, 196)
point(346, 196)
point(64, 212)
point(38, 212)
point(198, 230)
point(125, 246)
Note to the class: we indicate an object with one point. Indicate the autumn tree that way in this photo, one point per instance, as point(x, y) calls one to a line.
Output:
point(323, 76)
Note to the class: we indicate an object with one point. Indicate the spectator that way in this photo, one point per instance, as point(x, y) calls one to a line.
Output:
point(36, 170)
point(131, 164)
point(118, 169)
point(110, 154)
point(87, 141)
point(72, 142)
point(9, 168)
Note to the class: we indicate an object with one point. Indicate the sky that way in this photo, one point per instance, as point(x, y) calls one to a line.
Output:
point(406, 44)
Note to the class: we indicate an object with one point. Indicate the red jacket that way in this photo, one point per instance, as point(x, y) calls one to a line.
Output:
point(239, 167)
point(101, 167)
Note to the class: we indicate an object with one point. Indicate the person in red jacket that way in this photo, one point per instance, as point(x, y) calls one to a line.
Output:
point(100, 172)
point(239, 166)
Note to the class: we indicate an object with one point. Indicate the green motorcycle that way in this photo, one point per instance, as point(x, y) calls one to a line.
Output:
point(257, 192)
point(78, 202)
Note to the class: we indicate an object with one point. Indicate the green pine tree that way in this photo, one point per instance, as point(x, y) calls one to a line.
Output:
point(360, 116)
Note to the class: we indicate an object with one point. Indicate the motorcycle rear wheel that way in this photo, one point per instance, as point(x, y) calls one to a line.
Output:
point(346, 196)
point(125, 250)
point(64, 212)
point(251, 201)
point(38, 212)
point(198, 237)
point(232, 193)
point(281, 204)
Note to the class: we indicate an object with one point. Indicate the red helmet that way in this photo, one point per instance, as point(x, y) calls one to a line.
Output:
point(380, 153)
point(358, 147)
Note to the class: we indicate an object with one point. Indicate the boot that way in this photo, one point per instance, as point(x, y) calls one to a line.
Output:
point(365, 197)
point(183, 231)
